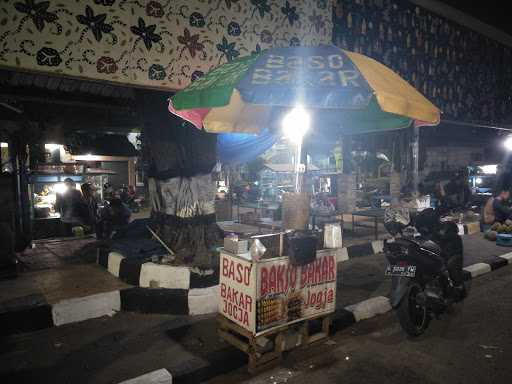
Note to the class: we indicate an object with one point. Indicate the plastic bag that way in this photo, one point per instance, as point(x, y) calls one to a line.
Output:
point(257, 250)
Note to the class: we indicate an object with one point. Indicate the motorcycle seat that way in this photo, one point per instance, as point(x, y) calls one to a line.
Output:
point(453, 260)
point(431, 246)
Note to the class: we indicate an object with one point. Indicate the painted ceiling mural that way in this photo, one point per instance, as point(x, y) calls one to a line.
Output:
point(157, 43)
point(464, 73)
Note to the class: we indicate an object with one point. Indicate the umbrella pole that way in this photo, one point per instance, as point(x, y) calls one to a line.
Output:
point(297, 167)
point(415, 157)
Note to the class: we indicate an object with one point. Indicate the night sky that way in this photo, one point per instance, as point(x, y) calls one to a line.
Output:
point(492, 12)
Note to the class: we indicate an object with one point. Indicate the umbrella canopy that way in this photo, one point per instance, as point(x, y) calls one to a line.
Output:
point(344, 91)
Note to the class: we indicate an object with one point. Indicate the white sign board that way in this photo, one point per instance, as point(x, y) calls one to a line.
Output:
point(237, 282)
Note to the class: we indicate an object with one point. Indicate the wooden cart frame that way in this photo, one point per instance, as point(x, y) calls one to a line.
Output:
point(260, 358)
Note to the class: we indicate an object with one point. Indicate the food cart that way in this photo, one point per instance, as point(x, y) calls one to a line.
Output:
point(264, 302)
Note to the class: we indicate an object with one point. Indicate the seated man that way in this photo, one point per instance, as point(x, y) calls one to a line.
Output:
point(496, 209)
point(455, 194)
point(113, 216)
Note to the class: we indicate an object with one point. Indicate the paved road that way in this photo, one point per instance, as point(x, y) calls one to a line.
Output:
point(473, 346)
point(110, 350)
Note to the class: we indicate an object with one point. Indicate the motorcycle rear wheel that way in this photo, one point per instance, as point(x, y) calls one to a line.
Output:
point(413, 317)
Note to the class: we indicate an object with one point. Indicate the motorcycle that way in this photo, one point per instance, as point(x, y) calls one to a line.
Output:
point(425, 264)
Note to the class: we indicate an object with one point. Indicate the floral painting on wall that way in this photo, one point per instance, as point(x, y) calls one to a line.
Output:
point(156, 43)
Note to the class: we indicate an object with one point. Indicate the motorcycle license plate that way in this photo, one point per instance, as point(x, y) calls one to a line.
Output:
point(401, 270)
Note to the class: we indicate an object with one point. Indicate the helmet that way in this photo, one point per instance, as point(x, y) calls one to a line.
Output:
point(396, 219)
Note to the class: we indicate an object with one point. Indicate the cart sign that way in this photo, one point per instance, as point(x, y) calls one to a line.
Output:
point(270, 293)
point(237, 286)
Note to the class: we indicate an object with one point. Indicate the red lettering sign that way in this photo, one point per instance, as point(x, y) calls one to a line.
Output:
point(264, 281)
point(225, 263)
point(282, 282)
point(318, 270)
point(332, 268)
point(239, 273)
point(292, 276)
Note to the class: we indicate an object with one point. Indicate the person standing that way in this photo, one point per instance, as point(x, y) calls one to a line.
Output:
point(71, 206)
point(88, 192)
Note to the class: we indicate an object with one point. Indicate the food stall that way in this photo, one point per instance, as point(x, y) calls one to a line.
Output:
point(264, 299)
point(265, 302)
point(46, 181)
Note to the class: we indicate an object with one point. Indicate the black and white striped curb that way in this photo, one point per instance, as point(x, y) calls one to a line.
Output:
point(31, 313)
point(153, 275)
point(379, 305)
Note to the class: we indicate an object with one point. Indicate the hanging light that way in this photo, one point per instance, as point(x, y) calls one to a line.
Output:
point(52, 147)
point(295, 125)
point(508, 143)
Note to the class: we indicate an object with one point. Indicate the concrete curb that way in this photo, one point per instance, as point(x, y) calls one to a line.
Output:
point(32, 313)
point(161, 288)
point(151, 275)
point(87, 307)
point(148, 274)
point(160, 376)
point(190, 288)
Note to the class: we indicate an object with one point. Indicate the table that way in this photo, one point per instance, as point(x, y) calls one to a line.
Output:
point(256, 205)
point(334, 217)
point(376, 214)
point(238, 228)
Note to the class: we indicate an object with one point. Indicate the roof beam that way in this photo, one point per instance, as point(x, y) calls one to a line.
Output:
point(61, 101)
point(466, 20)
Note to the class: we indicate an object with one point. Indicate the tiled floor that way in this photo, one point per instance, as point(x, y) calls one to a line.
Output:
point(58, 270)
point(57, 253)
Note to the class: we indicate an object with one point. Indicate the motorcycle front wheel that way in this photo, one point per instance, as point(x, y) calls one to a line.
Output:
point(412, 314)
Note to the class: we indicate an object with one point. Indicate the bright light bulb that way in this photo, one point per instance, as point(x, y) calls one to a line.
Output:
point(60, 188)
point(478, 180)
point(508, 143)
point(489, 169)
point(296, 124)
point(52, 147)
point(4, 145)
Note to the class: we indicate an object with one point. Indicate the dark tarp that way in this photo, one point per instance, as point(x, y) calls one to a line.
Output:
point(135, 242)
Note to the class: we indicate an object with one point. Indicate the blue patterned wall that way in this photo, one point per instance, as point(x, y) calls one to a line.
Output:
point(464, 73)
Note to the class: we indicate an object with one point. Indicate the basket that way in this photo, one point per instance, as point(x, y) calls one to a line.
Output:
point(504, 240)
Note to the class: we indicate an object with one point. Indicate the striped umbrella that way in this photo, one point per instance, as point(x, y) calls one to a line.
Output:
point(343, 91)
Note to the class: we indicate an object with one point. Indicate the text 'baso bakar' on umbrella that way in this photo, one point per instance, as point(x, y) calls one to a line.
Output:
point(345, 92)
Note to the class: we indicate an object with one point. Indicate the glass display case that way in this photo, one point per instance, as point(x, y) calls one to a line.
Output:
point(43, 189)
point(49, 180)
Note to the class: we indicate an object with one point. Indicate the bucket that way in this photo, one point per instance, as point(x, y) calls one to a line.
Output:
point(504, 240)
point(78, 231)
point(296, 210)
